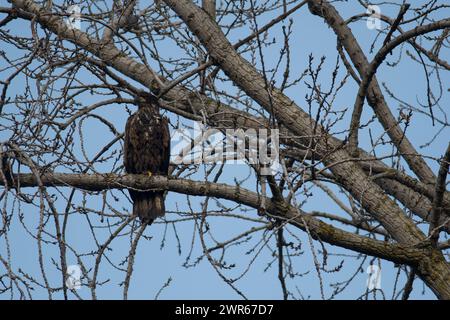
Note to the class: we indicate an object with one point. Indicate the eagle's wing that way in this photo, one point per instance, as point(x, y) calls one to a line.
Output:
point(165, 142)
point(129, 156)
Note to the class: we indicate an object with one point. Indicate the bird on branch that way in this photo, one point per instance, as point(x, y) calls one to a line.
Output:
point(147, 151)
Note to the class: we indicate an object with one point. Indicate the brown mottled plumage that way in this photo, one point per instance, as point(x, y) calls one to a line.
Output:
point(147, 151)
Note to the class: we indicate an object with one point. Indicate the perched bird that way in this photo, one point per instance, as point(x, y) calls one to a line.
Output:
point(147, 151)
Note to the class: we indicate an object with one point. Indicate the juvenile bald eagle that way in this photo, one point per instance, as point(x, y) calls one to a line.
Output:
point(147, 151)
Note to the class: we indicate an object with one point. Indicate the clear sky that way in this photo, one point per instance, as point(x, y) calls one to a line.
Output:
point(166, 255)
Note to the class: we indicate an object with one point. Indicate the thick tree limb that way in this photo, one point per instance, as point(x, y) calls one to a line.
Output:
point(318, 229)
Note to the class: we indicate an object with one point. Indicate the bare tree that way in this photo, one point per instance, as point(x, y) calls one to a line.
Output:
point(72, 71)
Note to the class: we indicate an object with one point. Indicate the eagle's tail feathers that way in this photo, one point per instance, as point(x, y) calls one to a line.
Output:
point(148, 207)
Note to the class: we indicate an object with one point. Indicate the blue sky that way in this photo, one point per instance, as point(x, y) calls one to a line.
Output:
point(164, 256)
